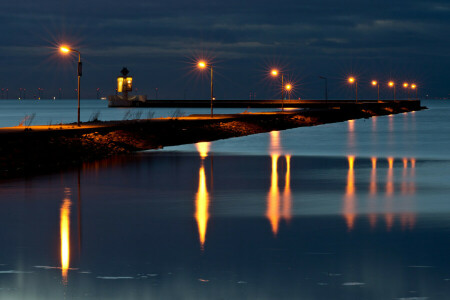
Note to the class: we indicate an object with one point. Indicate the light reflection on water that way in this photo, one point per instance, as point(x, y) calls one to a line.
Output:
point(349, 198)
point(287, 195)
point(278, 206)
point(202, 198)
point(376, 188)
point(282, 224)
point(202, 206)
point(65, 234)
point(407, 190)
point(373, 192)
point(273, 199)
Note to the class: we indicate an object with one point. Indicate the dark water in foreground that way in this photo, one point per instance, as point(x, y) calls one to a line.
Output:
point(353, 210)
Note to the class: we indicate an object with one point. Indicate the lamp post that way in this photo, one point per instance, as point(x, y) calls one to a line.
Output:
point(275, 73)
point(352, 80)
point(326, 87)
point(376, 83)
point(288, 88)
point(204, 65)
point(65, 50)
point(392, 84)
point(414, 87)
point(405, 85)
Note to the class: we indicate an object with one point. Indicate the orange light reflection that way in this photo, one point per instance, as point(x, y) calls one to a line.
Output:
point(202, 206)
point(65, 235)
point(373, 192)
point(275, 142)
point(404, 187)
point(287, 197)
point(351, 125)
point(275, 212)
point(349, 199)
point(411, 191)
point(351, 135)
point(412, 185)
point(413, 163)
point(273, 201)
point(203, 148)
point(389, 216)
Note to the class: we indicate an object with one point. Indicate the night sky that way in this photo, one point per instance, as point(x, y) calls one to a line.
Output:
point(159, 42)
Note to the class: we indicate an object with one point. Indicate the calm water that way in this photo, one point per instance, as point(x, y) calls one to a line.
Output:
point(45, 112)
point(352, 210)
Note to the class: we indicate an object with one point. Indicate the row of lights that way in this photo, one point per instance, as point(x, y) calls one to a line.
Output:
point(391, 84)
point(285, 87)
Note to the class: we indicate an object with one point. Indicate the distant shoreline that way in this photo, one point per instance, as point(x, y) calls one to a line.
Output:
point(33, 150)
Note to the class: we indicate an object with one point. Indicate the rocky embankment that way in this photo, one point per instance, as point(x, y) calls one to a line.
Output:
point(39, 149)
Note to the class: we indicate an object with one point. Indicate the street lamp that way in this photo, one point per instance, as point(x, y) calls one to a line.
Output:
point(326, 87)
point(376, 83)
point(66, 50)
point(288, 88)
point(275, 73)
point(414, 87)
point(392, 85)
point(352, 80)
point(204, 65)
point(405, 85)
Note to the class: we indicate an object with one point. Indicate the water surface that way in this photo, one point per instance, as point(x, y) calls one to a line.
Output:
point(352, 210)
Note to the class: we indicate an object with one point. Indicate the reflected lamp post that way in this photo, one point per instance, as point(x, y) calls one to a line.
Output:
point(204, 65)
point(66, 50)
point(288, 89)
point(377, 84)
point(392, 85)
point(275, 73)
point(352, 80)
point(405, 85)
point(414, 87)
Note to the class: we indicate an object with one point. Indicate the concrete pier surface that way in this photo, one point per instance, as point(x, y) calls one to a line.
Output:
point(317, 104)
point(29, 150)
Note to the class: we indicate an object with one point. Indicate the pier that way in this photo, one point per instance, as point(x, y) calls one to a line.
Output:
point(309, 104)
point(36, 149)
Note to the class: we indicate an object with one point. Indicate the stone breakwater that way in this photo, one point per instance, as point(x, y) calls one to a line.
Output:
point(39, 149)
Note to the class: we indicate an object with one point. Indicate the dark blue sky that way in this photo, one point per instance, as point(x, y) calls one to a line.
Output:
point(159, 40)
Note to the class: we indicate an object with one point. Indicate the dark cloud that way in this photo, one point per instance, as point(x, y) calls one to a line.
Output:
point(158, 38)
